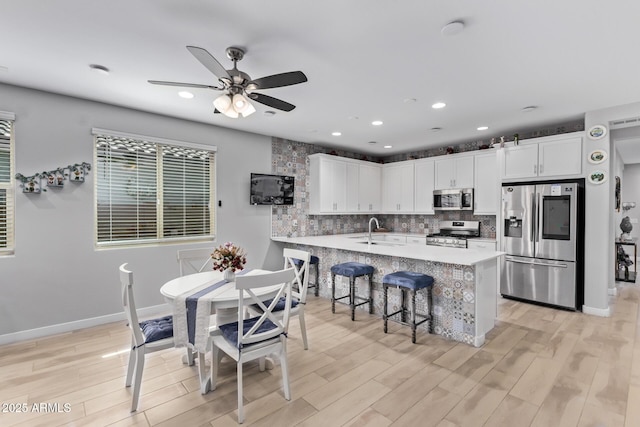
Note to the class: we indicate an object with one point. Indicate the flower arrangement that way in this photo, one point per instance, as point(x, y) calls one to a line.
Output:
point(228, 256)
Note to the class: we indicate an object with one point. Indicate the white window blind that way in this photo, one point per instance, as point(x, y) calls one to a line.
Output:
point(148, 191)
point(7, 188)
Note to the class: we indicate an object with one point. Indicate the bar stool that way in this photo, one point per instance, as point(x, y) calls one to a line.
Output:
point(352, 270)
point(314, 262)
point(410, 282)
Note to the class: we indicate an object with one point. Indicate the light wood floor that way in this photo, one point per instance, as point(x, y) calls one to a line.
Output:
point(539, 367)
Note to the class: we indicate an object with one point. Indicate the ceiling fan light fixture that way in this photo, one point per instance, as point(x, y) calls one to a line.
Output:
point(249, 110)
point(222, 103)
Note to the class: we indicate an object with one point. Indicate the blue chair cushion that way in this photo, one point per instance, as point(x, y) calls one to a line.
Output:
point(230, 330)
point(279, 305)
point(352, 269)
point(314, 260)
point(157, 329)
point(408, 279)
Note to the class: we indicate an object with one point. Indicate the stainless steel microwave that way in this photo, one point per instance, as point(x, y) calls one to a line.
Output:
point(459, 199)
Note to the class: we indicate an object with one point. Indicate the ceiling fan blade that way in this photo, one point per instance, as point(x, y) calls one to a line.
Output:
point(163, 83)
point(208, 61)
point(272, 102)
point(279, 80)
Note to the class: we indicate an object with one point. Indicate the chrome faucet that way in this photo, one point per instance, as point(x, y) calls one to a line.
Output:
point(377, 226)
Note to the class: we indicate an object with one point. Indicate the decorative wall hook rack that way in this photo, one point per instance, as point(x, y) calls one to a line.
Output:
point(628, 205)
point(54, 178)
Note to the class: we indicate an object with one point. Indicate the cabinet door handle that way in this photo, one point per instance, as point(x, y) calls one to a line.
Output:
point(541, 168)
point(535, 169)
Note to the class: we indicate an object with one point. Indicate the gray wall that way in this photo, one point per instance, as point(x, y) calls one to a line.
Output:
point(56, 275)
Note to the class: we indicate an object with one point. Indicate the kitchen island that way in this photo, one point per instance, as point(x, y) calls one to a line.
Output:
point(465, 280)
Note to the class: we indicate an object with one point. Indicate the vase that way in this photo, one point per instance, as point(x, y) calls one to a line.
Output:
point(229, 275)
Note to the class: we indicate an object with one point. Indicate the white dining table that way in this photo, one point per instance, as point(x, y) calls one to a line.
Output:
point(222, 301)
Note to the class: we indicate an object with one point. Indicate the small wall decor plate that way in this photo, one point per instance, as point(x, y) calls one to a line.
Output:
point(597, 132)
point(597, 156)
point(597, 177)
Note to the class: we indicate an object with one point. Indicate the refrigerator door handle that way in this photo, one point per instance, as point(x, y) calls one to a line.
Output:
point(538, 216)
point(543, 264)
point(532, 229)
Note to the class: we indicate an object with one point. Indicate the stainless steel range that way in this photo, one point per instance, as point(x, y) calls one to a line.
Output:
point(454, 234)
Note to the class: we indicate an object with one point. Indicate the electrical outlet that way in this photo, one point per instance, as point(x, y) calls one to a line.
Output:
point(295, 222)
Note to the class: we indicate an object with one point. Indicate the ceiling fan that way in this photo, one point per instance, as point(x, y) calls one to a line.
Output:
point(238, 86)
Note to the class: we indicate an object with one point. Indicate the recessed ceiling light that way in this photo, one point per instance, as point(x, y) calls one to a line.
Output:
point(184, 94)
point(388, 146)
point(271, 113)
point(436, 129)
point(377, 122)
point(483, 127)
point(99, 69)
point(529, 108)
point(336, 133)
point(452, 28)
point(438, 105)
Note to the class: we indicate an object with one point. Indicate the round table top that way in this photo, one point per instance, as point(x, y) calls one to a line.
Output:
point(226, 294)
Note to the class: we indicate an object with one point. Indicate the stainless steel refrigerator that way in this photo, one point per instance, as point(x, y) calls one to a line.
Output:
point(543, 239)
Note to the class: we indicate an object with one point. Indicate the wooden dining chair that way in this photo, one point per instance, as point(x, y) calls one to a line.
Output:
point(191, 261)
point(146, 337)
point(259, 336)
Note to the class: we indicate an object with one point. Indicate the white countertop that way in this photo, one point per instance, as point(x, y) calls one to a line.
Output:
point(353, 242)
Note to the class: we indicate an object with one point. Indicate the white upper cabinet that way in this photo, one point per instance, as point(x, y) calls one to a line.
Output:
point(486, 184)
point(352, 185)
point(340, 185)
point(454, 172)
point(397, 187)
point(544, 157)
point(328, 189)
point(370, 179)
point(424, 186)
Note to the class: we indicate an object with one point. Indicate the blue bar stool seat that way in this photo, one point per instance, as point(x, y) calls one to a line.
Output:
point(315, 263)
point(352, 270)
point(408, 282)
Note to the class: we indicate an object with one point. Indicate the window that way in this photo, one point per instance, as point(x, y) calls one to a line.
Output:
point(151, 190)
point(7, 186)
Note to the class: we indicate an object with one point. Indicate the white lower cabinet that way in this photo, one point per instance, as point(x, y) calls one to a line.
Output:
point(481, 244)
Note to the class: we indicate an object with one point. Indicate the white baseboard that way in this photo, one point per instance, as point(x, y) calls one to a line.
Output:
point(154, 311)
point(602, 312)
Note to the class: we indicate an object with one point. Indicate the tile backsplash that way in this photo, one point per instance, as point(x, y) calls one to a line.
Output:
point(291, 158)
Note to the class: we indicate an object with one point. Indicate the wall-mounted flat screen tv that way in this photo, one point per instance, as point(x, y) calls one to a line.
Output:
point(271, 189)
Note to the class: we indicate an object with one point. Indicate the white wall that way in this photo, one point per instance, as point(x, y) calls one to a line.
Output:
point(56, 275)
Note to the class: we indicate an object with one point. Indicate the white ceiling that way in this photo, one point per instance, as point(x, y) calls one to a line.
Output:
point(363, 59)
